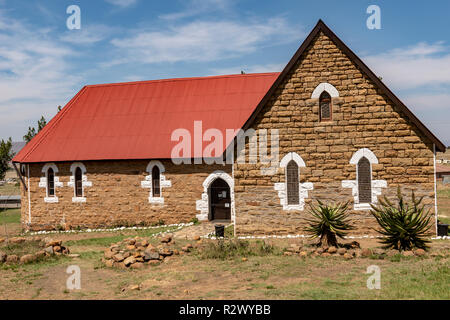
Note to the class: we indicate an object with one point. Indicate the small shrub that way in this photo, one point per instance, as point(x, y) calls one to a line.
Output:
point(229, 231)
point(328, 222)
point(195, 221)
point(405, 225)
point(227, 249)
point(160, 222)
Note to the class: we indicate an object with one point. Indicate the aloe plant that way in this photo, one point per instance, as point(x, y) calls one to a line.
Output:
point(328, 222)
point(405, 225)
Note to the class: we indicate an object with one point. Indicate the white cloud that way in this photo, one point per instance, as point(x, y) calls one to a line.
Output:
point(429, 101)
point(122, 3)
point(422, 75)
point(196, 7)
point(34, 76)
point(203, 41)
point(88, 34)
point(411, 67)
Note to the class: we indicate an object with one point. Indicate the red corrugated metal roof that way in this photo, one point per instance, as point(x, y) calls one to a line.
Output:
point(135, 120)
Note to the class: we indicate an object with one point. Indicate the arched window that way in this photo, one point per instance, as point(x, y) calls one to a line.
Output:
point(78, 182)
point(365, 189)
point(156, 191)
point(156, 181)
point(292, 183)
point(364, 181)
point(50, 182)
point(325, 110)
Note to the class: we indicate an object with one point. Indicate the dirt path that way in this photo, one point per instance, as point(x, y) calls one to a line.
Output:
point(201, 229)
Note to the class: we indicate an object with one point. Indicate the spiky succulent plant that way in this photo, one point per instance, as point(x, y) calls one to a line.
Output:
point(404, 226)
point(328, 222)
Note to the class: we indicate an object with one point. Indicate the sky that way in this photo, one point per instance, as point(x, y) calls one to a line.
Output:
point(43, 63)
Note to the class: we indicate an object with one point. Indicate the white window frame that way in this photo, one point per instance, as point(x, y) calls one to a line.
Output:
point(303, 188)
point(84, 181)
point(163, 183)
point(43, 182)
point(324, 86)
point(376, 185)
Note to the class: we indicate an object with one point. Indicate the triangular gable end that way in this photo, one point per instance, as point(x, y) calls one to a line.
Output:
point(322, 27)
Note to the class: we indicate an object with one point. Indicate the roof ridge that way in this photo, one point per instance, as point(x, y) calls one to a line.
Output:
point(181, 79)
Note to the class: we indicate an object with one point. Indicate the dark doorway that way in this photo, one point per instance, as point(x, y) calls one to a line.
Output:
point(220, 200)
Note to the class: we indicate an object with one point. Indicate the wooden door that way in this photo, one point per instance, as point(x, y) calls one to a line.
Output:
point(220, 200)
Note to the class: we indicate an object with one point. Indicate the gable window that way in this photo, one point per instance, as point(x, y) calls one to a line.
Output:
point(364, 181)
point(156, 191)
point(50, 183)
point(78, 181)
point(155, 181)
point(292, 183)
point(325, 110)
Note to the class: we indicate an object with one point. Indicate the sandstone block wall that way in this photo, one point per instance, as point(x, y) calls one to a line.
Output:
point(363, 117)
point(116, 196)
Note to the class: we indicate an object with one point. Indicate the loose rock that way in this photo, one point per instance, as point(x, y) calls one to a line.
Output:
point(419, 252)
point(27, 258)
point(12, 259)
point(332, 250)
point(348, 256)
point(366, 252)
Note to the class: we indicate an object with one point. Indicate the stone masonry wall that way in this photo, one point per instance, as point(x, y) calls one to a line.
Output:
point(363, 117)
point(116, 196)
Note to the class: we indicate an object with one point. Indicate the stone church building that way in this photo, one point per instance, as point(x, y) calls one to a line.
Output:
point(107, 158)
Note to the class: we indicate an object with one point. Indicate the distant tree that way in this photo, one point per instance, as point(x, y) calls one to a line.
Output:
point(6, 156)
point(32, 131)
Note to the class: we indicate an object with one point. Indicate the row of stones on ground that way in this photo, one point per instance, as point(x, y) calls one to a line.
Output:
point(137, 252)
point(50, 247)
point(353, 250)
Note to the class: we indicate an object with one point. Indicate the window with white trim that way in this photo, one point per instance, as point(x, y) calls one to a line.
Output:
point(292, 183)
point(291, 192)
point(156, 176)
point(79, 181)
point(50, 181)
point(364, 181)
point(365, 190)
point(156, 181)
point(325, 108)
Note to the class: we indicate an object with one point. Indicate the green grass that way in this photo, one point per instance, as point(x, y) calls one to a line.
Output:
point(443, 192)
point(107, 241)
point(444, 220)
point(229, 249)
point(44, 263)
point(9, 216)
point(229, 231)
point(10, 189)
point(20, 249)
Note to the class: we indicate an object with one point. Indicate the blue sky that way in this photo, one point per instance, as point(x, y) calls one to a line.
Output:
point(43, 64)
